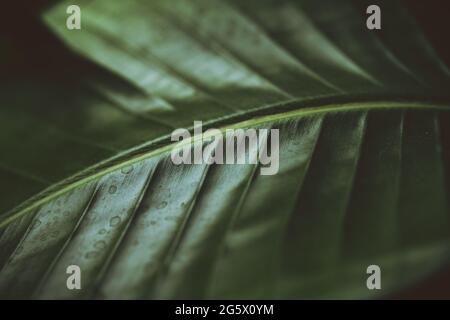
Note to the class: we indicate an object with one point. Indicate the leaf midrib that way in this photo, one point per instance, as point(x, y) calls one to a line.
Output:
point(110, 165)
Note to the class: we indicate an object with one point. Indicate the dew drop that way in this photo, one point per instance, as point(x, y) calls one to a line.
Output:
point(162, 205)
point(112, 189)
point(100, 245)
point(102, 231)
point(114, 221)
point(127, 170)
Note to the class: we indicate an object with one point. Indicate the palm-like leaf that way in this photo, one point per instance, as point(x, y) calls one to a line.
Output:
point(363, 155)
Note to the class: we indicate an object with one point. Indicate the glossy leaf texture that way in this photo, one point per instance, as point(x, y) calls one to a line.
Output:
point(364, 155)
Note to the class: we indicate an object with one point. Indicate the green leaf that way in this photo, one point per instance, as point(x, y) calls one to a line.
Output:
point(364, 161)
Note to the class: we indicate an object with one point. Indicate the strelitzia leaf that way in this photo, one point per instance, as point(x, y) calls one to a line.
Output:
point(363, 169)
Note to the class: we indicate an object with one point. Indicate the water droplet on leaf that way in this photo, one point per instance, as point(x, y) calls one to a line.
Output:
point(114, 221)
point(127, 169)
point(162, 205)
point(100, 244)
point(112, 189)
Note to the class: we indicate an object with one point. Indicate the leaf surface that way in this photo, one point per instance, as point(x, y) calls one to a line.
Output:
point(364, 162)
